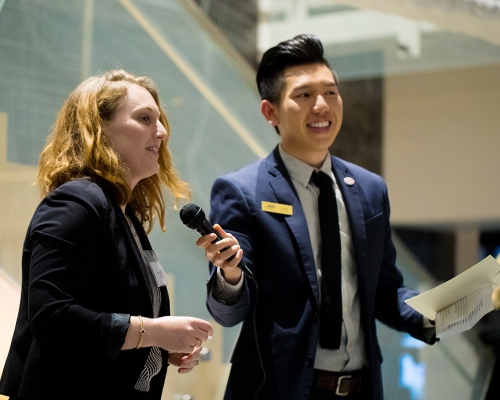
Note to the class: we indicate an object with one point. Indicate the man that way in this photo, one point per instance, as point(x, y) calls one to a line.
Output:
point(271, 211)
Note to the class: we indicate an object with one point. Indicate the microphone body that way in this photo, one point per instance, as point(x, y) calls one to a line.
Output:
point(193, 217)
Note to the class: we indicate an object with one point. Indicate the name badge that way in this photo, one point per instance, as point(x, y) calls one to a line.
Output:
point(156, 268)
point(277, 208)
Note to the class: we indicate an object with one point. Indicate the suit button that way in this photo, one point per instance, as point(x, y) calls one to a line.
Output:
point(309, 361)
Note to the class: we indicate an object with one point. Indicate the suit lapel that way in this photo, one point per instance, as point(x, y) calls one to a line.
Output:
point(354, 208)
point(285, 193)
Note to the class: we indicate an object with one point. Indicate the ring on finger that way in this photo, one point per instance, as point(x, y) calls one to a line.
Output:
point(197, 362)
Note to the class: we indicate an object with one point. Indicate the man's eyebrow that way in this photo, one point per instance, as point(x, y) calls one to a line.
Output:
point(328, 83)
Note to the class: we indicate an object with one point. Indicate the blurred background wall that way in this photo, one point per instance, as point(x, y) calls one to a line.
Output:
point(419, 80)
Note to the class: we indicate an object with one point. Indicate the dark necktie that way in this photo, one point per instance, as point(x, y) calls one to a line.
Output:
point(330, 325)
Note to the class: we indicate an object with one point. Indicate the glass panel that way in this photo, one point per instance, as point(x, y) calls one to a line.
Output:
point(47, 48)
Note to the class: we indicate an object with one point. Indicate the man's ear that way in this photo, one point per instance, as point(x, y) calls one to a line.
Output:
point(270, 112)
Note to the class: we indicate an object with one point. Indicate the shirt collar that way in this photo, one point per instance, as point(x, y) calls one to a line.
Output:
point(300, 171)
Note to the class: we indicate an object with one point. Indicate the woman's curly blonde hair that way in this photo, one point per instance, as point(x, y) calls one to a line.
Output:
point(77, 148)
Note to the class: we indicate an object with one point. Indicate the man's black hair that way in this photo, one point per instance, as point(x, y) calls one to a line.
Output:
point(302, 49)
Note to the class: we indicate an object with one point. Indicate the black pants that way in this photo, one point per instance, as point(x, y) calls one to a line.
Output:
point(323, 394)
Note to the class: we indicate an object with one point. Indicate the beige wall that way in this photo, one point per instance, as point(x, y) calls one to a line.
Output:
point(18, 200)
point(206, 381)
point(442, 146)
point(10, 293)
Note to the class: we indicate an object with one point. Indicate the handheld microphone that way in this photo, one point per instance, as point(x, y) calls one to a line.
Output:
point(193, 217)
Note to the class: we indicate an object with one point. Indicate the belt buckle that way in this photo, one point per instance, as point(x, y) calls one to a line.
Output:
point(339, 381)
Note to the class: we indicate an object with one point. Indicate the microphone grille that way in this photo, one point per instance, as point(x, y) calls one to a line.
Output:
point(189, 212)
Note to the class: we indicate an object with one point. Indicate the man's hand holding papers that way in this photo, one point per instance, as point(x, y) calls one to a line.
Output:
point(458, 304)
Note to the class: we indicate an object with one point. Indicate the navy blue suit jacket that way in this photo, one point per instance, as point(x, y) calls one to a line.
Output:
point(277, 249)
point(82, 278)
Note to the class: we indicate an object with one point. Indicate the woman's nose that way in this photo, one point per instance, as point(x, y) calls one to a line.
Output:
point(161, 132)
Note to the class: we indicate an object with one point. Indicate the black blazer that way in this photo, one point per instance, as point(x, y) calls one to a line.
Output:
point(82, 278)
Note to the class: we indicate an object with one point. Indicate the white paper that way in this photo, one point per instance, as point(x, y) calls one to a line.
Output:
point(464, 314)
point(462, 300)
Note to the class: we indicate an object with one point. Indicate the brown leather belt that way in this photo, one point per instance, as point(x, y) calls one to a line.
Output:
point(342, 385)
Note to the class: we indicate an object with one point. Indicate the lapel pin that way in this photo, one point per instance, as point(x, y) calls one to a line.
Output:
point(349, 181)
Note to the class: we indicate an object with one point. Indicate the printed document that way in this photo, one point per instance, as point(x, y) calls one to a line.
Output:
point(458, 304)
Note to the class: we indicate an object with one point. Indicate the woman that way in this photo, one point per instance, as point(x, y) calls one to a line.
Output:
point(94, 318)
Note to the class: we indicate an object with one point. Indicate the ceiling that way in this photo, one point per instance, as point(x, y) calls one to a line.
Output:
point(365, 38)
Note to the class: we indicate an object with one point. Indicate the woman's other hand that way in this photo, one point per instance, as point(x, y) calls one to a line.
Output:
point(174, 334)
